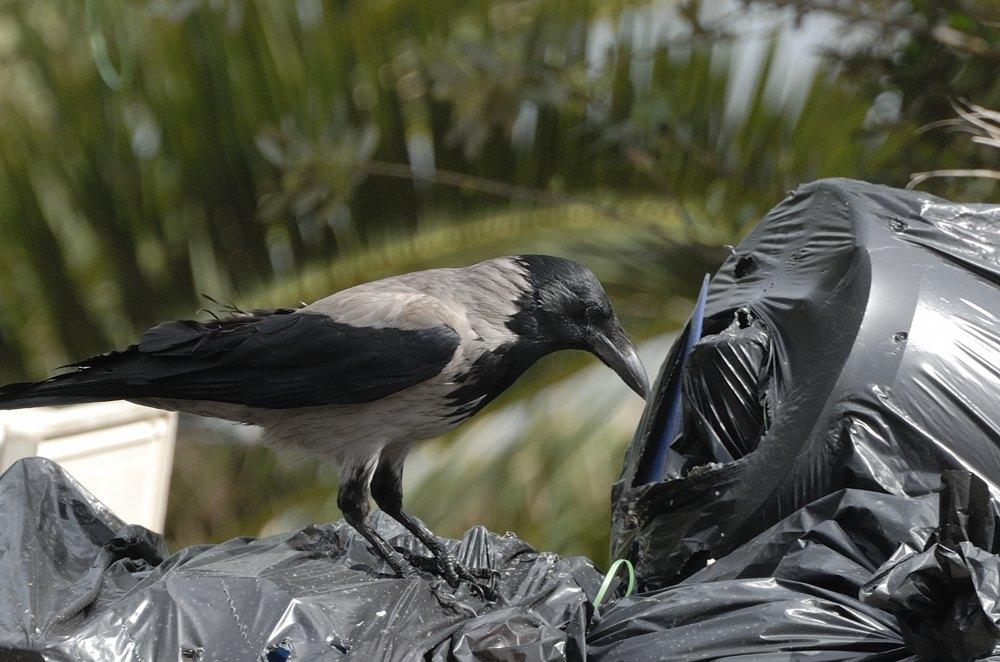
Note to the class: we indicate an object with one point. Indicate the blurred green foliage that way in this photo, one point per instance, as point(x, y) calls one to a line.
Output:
point(271, 151)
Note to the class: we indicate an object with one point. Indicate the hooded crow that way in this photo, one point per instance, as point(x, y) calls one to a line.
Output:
point(365, 373)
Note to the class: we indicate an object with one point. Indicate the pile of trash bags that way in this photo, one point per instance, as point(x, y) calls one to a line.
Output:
point(77, 584)
point(816, 475)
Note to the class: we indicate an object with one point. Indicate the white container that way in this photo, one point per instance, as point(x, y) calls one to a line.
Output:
point(121, 452)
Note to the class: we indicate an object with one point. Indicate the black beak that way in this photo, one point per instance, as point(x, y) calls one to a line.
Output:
point(618, 353)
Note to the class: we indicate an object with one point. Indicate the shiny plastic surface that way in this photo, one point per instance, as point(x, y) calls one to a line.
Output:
point(77, 585)
point(852, 340)
point(850, 358)
point(855, 575)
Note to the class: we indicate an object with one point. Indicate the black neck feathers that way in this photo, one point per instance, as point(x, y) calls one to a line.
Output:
point(491, 374)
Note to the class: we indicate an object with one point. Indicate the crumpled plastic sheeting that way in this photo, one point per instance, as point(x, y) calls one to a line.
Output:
point(75, 584)
point(851, 341)
point(946, 597)
point(853, 575)
point(726, 422)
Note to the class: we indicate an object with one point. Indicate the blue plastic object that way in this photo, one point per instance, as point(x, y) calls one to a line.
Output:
point(673, 422)
point(279, 653)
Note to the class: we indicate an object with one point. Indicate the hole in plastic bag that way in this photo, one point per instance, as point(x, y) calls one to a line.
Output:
point(335, 641)
point(281, 652)
point(744, 317)
point(725, 391)
point(725, 395)
point(744, 266)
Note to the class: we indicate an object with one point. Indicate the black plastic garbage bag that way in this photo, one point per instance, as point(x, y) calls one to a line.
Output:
point(851, 341)
point(78, 585)
point(853, 575)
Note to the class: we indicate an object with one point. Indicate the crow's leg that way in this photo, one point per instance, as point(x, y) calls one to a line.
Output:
point(387, 489)
point(352, 499)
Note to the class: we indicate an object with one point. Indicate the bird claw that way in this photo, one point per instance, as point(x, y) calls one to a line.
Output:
point(454, 574)
point(451, 571)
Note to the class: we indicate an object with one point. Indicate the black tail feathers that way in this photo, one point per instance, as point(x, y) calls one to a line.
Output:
point(59, 390)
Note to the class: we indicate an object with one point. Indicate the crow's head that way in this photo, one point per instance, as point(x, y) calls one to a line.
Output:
point(566, 308)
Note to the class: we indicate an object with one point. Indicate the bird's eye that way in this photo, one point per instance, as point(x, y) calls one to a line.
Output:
point(593, 314)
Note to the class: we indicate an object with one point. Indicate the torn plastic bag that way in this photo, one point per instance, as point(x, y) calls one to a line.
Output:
point(851, 341)
point(853, 575)
point(723, 423)
point(78, 585)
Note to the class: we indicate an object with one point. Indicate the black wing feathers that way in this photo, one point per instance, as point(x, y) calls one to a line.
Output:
point(270, 359)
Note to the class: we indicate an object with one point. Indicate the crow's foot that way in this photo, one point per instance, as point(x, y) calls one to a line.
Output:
point(451, 571)
point(395, 563)
point(486, 590)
